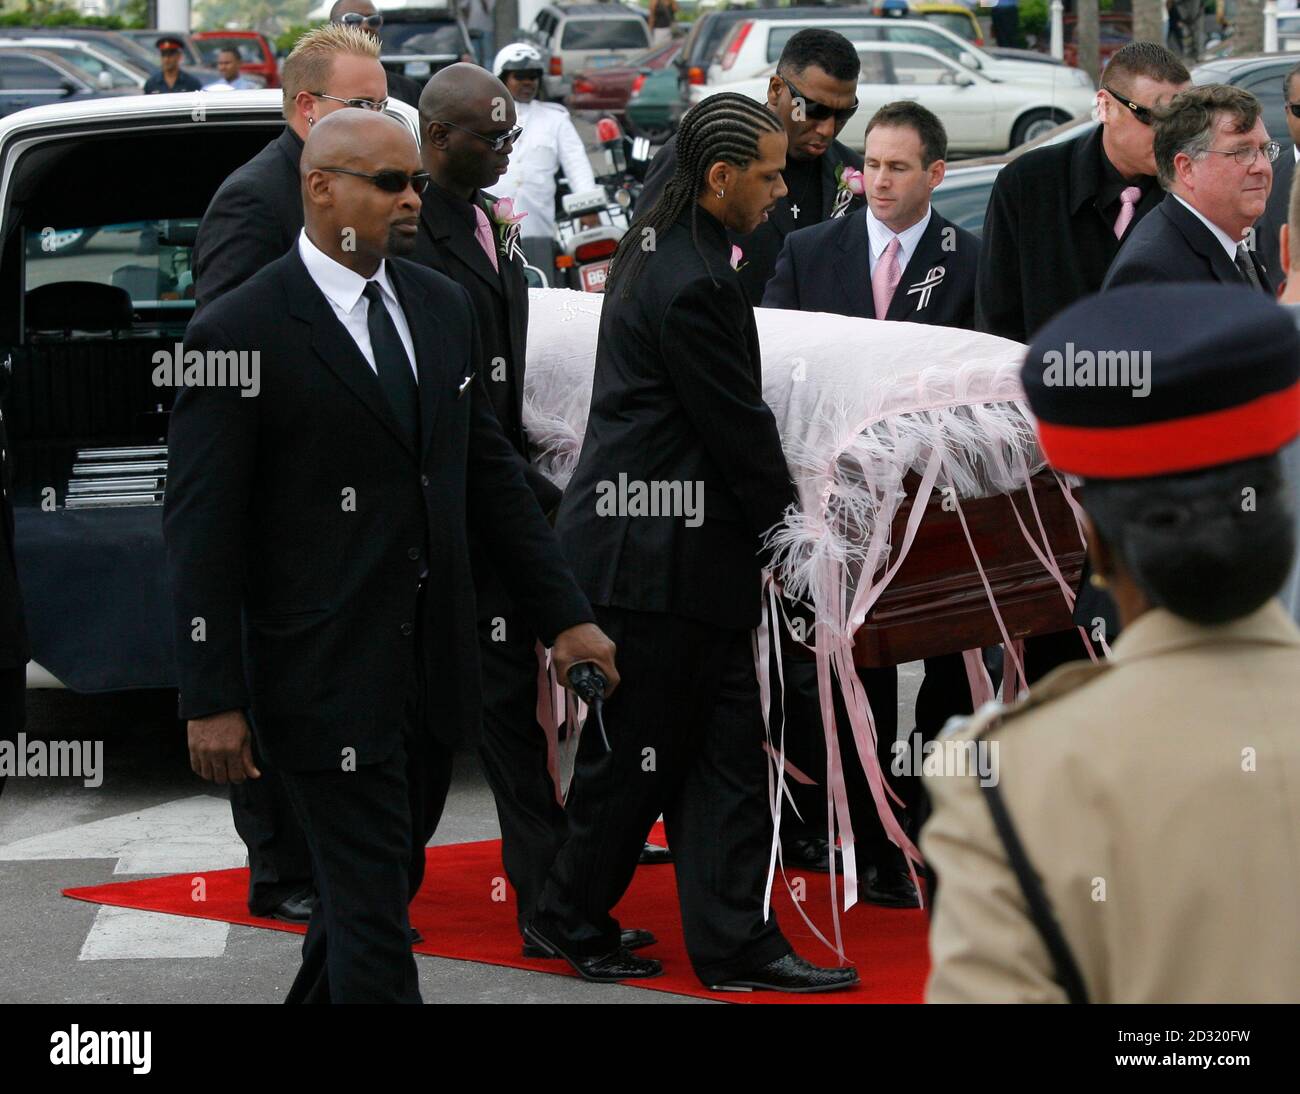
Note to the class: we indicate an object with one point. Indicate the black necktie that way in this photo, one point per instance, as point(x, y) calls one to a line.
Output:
point(1247, 266)
point(393, 365)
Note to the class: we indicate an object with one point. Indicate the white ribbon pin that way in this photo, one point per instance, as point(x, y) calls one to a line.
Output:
point(924, 287)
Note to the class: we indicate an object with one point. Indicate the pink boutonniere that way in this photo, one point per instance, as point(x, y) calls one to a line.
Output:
point(849, 184)
point(507, 224)
point(736, 255)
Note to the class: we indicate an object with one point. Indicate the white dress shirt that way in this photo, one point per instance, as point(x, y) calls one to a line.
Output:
point(548, 142)
point(878, 237)
point(343, 289)
point(1225, 241)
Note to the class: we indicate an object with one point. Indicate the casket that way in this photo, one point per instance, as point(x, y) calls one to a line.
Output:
point(875, 419)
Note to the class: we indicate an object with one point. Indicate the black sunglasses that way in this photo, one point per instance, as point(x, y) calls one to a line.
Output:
point(1294, 108)
point(391, 182)
point(1142, 113)
point(498, 142)
point(356, 19)
point(815, 111)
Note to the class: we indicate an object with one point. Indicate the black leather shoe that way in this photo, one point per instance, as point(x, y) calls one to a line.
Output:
point(607, 968)
point(654, 855)
point(631, 938)
point(293, 909)
point(890, 887)
point(810, 853)
point(791, 973)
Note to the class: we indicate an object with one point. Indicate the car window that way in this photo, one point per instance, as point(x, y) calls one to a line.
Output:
point(923, 36)
point(249, 49)
point(965, 205)
point(854, 32)
point(958, 24)
point(1267, 87)
point(422, 38)
point(604, 34)
point(28, 74)
point(93, 66)
point(919, 68)
point(149, 259)
point(874, 70)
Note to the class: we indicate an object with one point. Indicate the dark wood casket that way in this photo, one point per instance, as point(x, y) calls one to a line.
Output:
point(936, 602)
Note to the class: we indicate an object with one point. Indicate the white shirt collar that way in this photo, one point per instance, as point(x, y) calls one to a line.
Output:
point(1226, 241)
point(878, 237)
point(1295, 150)
point(342, 286)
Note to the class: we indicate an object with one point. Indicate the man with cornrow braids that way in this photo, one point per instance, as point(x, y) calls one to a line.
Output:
point(813, 94)
point(677, 415)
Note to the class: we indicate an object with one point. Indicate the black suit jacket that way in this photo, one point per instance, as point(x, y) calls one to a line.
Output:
point(447, 243)
point(14, 651)
point(763, 244)
point(1045, 243)
point(1173, 245)
point(1269, 227)
point(677, 399)
point(252, 220)
point(827, 268)
point(297, 522)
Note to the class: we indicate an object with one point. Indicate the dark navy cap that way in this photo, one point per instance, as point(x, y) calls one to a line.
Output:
point(1158, 379)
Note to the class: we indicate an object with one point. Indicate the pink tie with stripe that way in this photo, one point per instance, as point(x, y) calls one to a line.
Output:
point(886, 278)
point(483, 232)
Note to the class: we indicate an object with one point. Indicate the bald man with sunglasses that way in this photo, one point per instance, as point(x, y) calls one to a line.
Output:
point(321, 532)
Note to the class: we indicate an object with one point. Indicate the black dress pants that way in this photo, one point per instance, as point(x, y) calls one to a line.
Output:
point(687, 741)
point(513, 751)
point(367, 830)
point(944, 692)
point(279, 864)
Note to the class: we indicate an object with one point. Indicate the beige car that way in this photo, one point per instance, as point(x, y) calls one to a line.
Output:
point(573, 37)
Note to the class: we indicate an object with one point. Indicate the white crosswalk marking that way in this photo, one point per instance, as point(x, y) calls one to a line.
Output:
point(189, 835)
point(127, 933)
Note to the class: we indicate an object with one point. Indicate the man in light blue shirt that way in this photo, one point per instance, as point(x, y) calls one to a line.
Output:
point(231, 78)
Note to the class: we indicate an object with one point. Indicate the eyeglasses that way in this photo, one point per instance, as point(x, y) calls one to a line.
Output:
point(356, 19)
point(1142, 113)
point(391, 182)
point(815, 111)
point(524, 73)
point(171, 52)
point(358, 104)
point(1294, 108)
point(498, 142)
point(1247, 156)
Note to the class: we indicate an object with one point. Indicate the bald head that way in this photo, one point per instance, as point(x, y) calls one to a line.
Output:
point(464, 94)
point(348, 214)
point(350, 136)
point(463, 110)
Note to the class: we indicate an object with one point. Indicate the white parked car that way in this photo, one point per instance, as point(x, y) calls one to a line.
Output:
point(753, 45)
point(980, 114)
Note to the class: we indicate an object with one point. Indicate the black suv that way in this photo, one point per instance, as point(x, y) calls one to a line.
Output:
point(420, 41)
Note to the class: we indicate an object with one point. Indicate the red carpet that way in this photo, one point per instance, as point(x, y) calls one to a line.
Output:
point(459, 919)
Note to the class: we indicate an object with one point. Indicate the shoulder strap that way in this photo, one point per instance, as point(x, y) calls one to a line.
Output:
point(1040, 908)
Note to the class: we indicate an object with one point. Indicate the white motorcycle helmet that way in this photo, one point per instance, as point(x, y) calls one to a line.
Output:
point(517, 57)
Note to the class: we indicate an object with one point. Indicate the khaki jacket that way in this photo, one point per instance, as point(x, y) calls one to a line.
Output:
point(1157, 796)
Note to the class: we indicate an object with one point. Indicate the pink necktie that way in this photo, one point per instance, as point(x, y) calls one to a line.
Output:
point(886, 278)
point(483, 233)
point(1128, 199)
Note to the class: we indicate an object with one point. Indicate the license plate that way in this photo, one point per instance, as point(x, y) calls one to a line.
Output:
point(593, 276)
point(604, 62)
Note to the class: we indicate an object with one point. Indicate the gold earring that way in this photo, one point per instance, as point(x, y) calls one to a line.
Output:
point(1098, 581)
